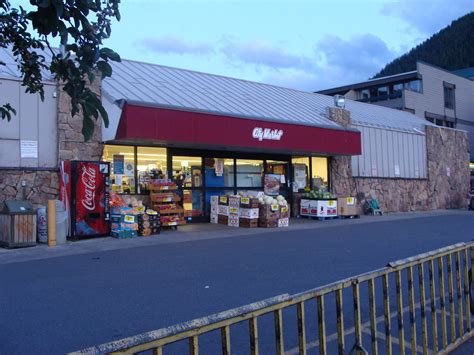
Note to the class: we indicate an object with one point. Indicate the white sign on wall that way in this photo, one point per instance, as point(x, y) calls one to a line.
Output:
point(267, 134)
point(29, 149)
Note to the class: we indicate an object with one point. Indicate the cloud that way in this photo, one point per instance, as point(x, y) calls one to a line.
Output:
point(173, 45)
point(428, 16)
point(333, 61)
point(261, 53)
point(357, 57)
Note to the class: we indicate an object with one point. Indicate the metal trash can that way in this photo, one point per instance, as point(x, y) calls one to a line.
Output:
point(42, 223)
point(61, 223)
point(17, 224)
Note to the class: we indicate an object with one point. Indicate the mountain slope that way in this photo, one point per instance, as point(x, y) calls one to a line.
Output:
point(451, 48)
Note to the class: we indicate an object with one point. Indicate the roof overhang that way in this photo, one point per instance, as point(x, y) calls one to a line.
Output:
point(178, 128)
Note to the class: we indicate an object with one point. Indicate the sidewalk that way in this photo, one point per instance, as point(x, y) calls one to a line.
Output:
point(196, 232)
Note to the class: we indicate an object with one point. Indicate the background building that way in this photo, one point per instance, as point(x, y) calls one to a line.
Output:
point(439, 96)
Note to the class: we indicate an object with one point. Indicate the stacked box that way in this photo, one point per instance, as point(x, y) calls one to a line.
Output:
point(248, 223)
point(347, 206)
point(223, 200)
point(214, 209)
point(221, 219)
point(283, 222)
point(234, 210)
point(124, 234)
point(124, 221)
point(268, 216)
point(284, 211)
point(223, 210)
point(249, 202)
point(148, 224)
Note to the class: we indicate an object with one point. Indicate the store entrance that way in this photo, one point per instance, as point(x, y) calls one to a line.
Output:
point(200, 175)
point(187, 175)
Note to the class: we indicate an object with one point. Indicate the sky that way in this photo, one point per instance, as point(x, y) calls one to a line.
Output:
point(305, 45)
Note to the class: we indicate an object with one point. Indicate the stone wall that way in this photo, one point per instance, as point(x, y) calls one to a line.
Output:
point(71, 141)
point(42, 185)
point(447, 154)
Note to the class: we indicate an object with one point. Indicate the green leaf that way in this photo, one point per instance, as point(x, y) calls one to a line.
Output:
point(104, 68)
point(110, 54)
point(87, 128)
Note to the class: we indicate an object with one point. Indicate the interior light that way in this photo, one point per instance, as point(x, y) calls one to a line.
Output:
point(184, 163)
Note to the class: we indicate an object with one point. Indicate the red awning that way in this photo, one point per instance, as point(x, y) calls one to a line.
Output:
point(193, 129)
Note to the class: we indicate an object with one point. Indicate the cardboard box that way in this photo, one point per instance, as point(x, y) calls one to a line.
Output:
point(284, 211)
point(214, 200)
point(249, 213)
point(214, 218)
point(269, 212)
point(214, 209)
point(248, 223)
point(234, 211)
point(268, 223)
point(233, 221)
point(234, 201)
point(223, 200)
point(222, 219)
point(347, 206)
point(318, 208)
point(283, 222)
point(223, 210)
point(249, 202)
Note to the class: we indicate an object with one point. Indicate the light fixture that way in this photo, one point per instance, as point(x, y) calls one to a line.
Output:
point(184, 163)
point(339, 101)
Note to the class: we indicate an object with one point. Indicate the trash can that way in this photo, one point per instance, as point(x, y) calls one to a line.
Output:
point(42, 223)
point(61, 223)
point(17, 224)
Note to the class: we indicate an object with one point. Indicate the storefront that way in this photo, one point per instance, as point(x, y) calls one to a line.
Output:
point(200, 174)
point(207, 154)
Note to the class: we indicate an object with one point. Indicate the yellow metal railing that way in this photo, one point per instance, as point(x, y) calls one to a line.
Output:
point(448, 270)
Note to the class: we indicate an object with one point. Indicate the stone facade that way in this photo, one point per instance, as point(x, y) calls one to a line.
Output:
point(42, 185)
point(447, 185)
point(71, 141)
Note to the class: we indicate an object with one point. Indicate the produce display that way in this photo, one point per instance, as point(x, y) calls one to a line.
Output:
point(320, 194)
point(165, 199)
point(250, 209)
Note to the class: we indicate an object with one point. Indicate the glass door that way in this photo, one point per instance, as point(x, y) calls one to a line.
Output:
point(219, 178)
point(187, 174)
point(280, 169)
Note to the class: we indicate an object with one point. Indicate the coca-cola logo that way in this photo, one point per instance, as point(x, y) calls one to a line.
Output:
point(267, 133)
point(89, 181)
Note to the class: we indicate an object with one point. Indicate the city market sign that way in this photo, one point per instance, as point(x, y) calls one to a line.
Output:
point(267, 134)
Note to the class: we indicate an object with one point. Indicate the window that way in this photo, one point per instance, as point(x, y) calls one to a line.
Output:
point(249, 173)
point(414, 85)
point(122, 163)
point(319, 172)
point(449, 96)
point(151, 164)
point(397, 89)
point(300, 172)
point(187, 171)
point(382, 91)
point(219, 172)
point(364, 94)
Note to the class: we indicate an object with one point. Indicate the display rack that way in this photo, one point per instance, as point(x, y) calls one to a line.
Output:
point(165, 200)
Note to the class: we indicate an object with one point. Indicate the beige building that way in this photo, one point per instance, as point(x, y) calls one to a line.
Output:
point(439, 96)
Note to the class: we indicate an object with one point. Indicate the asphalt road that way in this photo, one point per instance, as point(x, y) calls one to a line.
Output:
point(68, 303)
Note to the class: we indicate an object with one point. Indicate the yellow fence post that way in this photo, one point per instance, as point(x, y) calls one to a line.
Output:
point(51, 223)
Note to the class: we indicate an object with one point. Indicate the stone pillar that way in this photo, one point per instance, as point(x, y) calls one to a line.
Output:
point(71, 141)
point(340, 169)
point(448, 167)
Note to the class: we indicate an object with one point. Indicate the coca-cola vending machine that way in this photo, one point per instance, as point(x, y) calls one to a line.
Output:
point(84, 189)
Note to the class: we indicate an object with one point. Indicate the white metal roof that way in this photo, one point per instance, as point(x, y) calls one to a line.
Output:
point(11, 71)
point(161, 86)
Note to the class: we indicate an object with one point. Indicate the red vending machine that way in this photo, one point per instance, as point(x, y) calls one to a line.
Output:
point(84, 189)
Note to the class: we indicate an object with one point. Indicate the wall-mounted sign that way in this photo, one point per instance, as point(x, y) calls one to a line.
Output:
point(29, 149)
point(267, 134)
point(119, 164)
point(219, 167)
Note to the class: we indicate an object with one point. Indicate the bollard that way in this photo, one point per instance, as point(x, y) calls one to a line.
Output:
point(51, 223)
